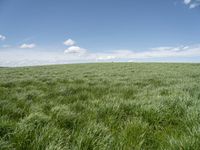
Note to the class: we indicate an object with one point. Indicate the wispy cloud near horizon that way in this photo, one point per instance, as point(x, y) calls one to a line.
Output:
point(21, 57)
point(27, 46)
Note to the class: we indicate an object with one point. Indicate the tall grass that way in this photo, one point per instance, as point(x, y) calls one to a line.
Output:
point(100, 106)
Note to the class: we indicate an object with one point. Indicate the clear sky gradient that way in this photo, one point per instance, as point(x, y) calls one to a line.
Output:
point(40, 32)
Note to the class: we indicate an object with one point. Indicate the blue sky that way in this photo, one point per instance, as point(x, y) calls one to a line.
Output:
point(36, 32)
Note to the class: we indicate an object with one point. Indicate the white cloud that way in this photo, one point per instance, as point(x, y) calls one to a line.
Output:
point(192, 3)
point(6, 46)
point(187, 1)
point(26, 46)
point(158, 52)
point(162, 48)
point(2, 37)
point(171, 49)
point(75, 50)
point(69, 42)
point(74, 54)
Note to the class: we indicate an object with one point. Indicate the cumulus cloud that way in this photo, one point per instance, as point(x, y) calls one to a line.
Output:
point(2, 37)
point(75, 50)
point(27, 46)
point(192, 3)
point(72, 49)
point(69, 42)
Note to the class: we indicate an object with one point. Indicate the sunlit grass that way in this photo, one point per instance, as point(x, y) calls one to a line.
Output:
point(100, 106)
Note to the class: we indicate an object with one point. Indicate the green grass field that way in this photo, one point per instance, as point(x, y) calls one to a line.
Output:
point(100, 106)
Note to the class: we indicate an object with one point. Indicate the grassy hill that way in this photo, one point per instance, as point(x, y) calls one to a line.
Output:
point(100, 106)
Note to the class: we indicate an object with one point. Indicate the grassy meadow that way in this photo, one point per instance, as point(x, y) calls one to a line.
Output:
point(102, 106)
